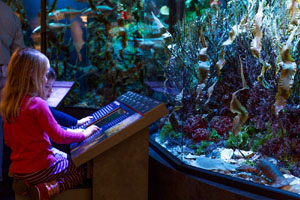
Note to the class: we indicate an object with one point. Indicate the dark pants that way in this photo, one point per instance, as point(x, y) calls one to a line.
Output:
point(5, 181)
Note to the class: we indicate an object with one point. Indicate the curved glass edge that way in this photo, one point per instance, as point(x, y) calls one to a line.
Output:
point(247, 186)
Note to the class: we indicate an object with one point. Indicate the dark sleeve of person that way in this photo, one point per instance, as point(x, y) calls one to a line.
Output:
point(63, 118)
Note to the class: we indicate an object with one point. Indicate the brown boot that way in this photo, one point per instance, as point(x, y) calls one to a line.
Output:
point(42, 191)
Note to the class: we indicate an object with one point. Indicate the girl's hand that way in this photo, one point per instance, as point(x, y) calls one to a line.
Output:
point(78, 130)
point(83, 120)
point(90, 130)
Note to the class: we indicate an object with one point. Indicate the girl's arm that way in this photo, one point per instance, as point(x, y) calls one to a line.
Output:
point(63, 118)
point(51, 127)
point(67, 120)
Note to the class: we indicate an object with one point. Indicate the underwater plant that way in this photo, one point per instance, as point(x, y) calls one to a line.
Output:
point(236, 74)
point(202, 147)
point(239, 141)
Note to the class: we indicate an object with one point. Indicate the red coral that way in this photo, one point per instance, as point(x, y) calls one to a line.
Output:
point(222, 124)
point(200, 134)
point(194, 123)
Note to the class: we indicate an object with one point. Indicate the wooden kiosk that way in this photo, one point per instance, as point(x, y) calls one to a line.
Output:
point(118, 153)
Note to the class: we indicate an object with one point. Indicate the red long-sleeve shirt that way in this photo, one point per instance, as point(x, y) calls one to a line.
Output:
point(28, 137)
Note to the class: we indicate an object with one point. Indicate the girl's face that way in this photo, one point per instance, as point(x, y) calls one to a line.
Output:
point(48, 88)
point(45, 76)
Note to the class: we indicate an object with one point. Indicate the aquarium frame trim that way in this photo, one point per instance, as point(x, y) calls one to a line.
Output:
point(228, 180)
point(43, 26)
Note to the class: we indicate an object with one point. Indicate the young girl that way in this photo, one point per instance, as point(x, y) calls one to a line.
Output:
point(29, 126)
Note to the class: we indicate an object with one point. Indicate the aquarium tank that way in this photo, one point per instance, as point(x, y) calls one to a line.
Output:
point(96, 44)
point(228, 71)
point(231, 82)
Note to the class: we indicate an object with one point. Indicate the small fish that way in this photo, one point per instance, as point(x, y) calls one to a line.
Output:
point(63, 13)
point(165, 34)
point(148, 43)
point(164, 10)
point(103, 9)
point(51, 26)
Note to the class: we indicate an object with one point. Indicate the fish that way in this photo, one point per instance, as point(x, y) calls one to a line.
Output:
point(104, 9)
point(50, 26)
point(63, 13)
point(148, 43)
point(164, 10)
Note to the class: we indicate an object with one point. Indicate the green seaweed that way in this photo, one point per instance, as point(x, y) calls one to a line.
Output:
point(165, 130)
point(213, 135)
point(260, 140)
point(239, 141)
point(202, 147)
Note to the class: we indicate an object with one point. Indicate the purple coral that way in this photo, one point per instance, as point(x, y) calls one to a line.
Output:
point(295, 169)
point(193, 123)
point(259, 107)
point(200, 134)
point(222, 124)
point(275, 147)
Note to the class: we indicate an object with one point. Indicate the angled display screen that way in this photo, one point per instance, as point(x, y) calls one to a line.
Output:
point(110, 117)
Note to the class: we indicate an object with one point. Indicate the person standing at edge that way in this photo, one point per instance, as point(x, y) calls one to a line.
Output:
point(11, 38)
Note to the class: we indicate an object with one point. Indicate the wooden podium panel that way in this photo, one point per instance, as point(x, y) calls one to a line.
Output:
point(60, 91)
point(119, 151)
point(122, 171)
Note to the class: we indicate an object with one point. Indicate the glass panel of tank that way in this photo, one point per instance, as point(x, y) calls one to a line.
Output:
point(95, 44)
point(230, 77)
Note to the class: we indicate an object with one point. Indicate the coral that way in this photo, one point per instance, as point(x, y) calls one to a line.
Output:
point(222, 124)
point(295, 169)
point(291, 117)
point(275, 147)
point(200, 134)
point(259, 106)
point(193, 123)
